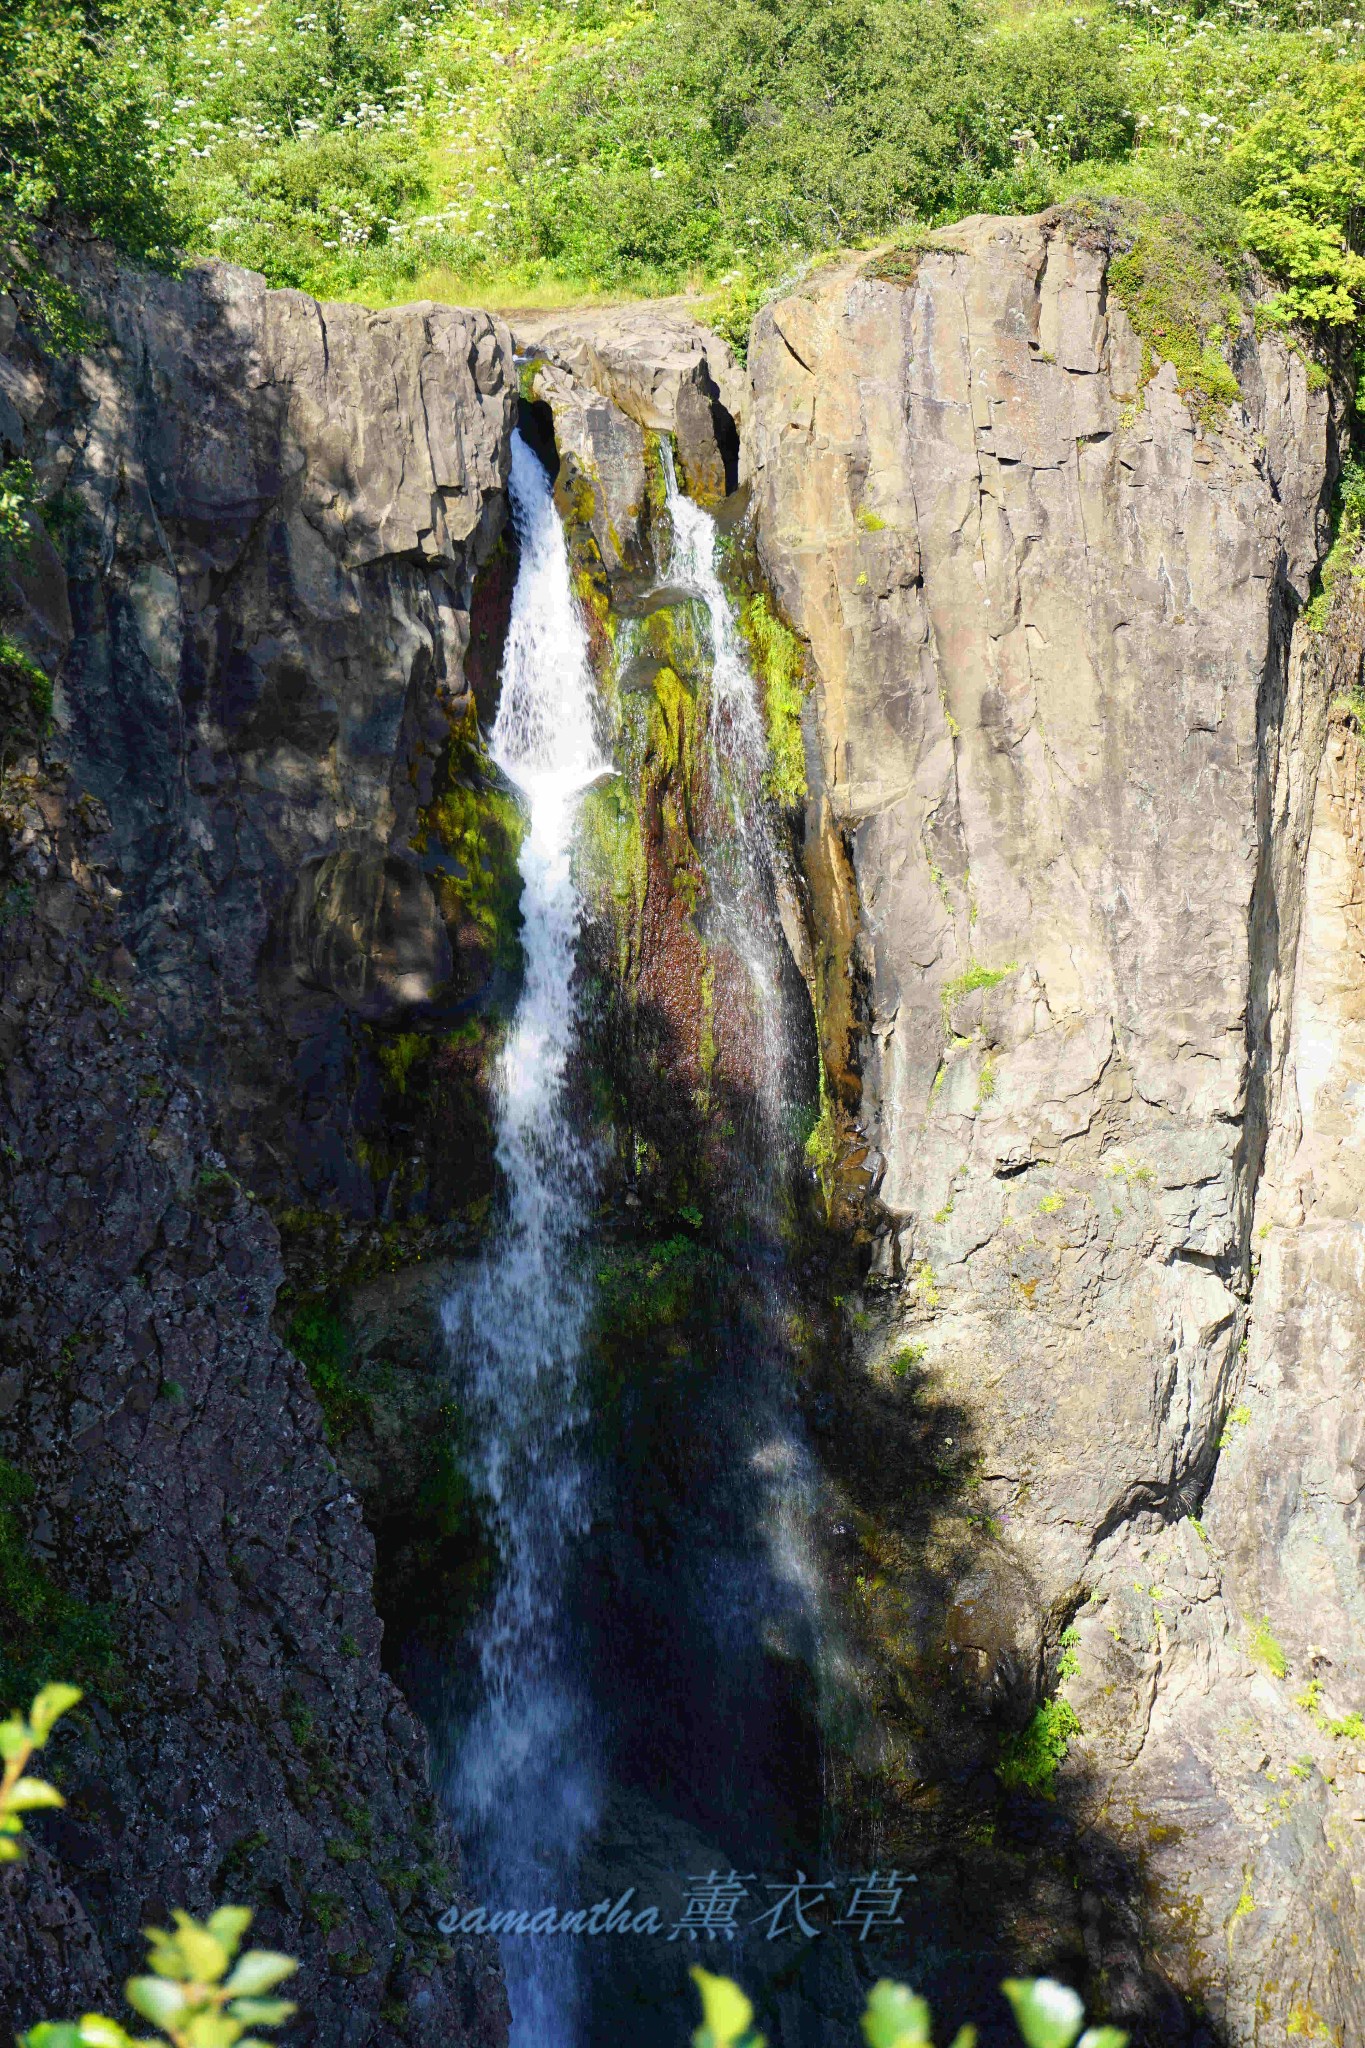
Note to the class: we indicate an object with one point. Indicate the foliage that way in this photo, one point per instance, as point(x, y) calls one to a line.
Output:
point(1263, 1648)
point(198, 1992)
point(19, 1738)
point(1301, 172)
point(1344, 554)
point(25, 696)
point(1047, 2014)
point(1171, 270)
point(75, 135)
point(1030, 1760)
point(321, 1342)
point(16, 500)
point(43, 1628)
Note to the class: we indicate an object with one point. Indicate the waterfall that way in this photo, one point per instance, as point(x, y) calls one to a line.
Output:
point(523, 1786)
point(741, 873)
point(740, 862)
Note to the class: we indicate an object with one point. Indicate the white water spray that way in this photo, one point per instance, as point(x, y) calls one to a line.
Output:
point(523, 1788)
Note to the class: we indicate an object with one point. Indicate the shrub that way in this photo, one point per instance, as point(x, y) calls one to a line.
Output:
point(1030, 1760)
point(1300, 171)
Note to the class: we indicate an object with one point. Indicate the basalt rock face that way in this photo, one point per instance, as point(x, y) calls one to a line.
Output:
point(1091, 997)
point(260, 826)
point(240, 1741)
point(275, 514)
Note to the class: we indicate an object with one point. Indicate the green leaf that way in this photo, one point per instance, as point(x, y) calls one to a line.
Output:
point(726, 2012)
point(15, 1740)
point(10, 1852)
point(158, 1999)
point(51, 2034)
point(965, 2037)
point(896, 2017)
point(204, 1954)
point(26, 1794)
point(1049, 2014)
point(262, 2012)
point(1103, 2037)
point(260, 1969)
point(52, 1702)
point(228, 1925)
point(98, 2032)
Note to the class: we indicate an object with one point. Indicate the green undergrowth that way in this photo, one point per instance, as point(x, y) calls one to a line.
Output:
point(318, 1337)
point(44, 1631)
point(1031, 1759)
point(25, 697)
point(1346, 556)
point(1177, 267)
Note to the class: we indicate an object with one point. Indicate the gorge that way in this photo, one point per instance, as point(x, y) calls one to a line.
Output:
point(681, 1113)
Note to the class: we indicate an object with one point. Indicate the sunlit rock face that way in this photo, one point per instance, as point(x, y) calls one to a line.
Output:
point(278, 513)
point(1099, 1016)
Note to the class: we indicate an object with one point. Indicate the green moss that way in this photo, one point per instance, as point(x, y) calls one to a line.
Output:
point(906, 1360)
point(822, 1146)
point(779, 662)
point(976, 976)
point(1170, 276)
point(1030, 1760)
point(399, 1054)
point(482, 828)
point(45, 1632)
point(25, 696)
point(320, 1341)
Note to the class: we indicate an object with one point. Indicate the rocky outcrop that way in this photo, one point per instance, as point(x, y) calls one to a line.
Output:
point(1065, 775)
point(254, 864)
point(661, 368)
point(239, 1740)
point(270, 517)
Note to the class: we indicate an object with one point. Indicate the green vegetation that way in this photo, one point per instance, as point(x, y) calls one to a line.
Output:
point(19, 1738)
point(780, 666)
point(1030, 1760)
point(974, 977)
point(529, 150)
point(1264, 1649)
point(321, 1342)
point(43, 1629)
point(1047, 2014)
point(197, 1992)
point(25, 697)
point(16, 501)
point(1345, 554)
point(1350, 1727)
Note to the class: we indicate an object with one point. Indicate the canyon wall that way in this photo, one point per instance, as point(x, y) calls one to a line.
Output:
point(1095, 1035)
point(250, 572)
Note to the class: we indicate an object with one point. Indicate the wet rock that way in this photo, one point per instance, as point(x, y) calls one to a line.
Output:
point(664, 370)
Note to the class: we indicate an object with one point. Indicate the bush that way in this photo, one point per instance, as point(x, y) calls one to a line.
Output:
point(76, 131)
point(1300, 171)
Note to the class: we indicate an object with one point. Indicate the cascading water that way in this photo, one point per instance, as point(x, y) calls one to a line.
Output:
point(523, 1787)
point(741, 862)
point(739, 859)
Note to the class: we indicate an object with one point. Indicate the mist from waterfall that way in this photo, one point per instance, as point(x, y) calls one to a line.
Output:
point(524, 1785)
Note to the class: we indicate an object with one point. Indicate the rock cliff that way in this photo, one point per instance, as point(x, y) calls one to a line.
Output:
point(1096, 1035)
point(250, 570)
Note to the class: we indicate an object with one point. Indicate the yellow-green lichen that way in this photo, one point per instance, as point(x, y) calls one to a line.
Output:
point(781, 668)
